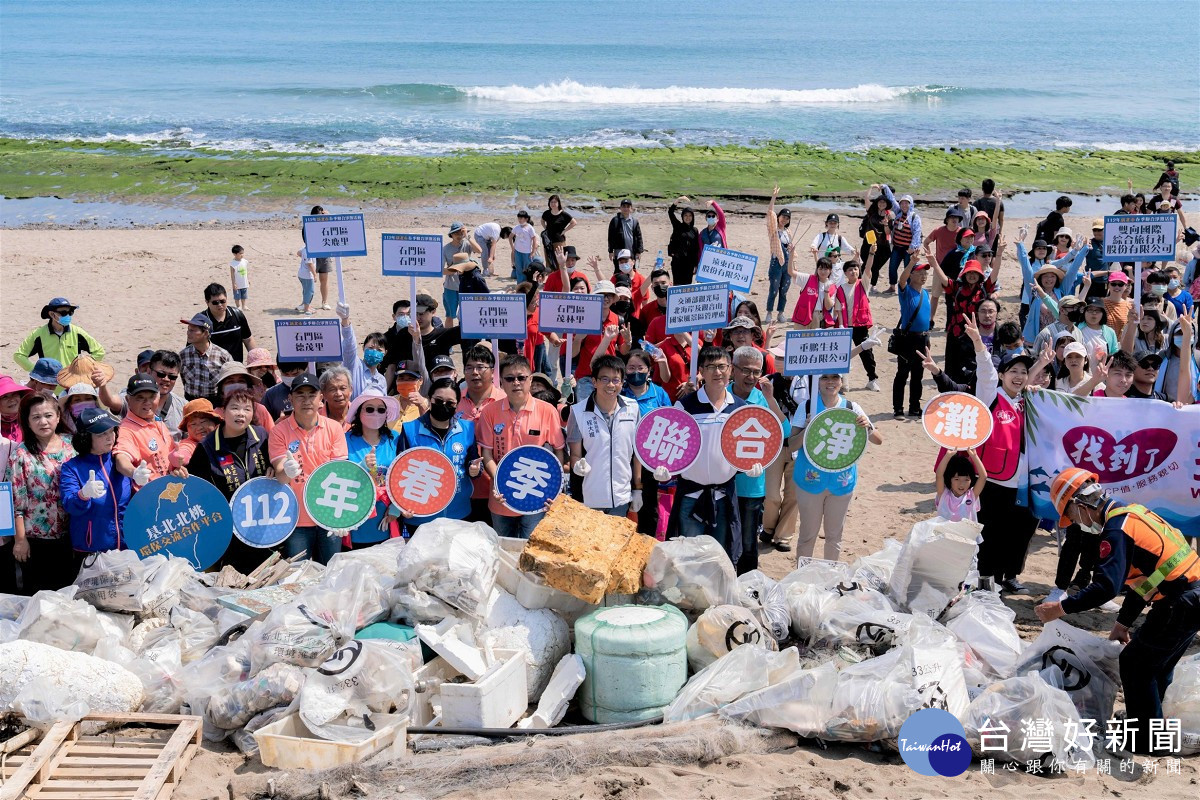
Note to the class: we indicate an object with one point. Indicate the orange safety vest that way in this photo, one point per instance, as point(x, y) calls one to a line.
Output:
point(1153, 534)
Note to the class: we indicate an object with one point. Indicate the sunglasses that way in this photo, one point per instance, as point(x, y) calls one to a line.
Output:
point(217, 302)
point(167, 376)
point(515, 378)
point(375, 409)
point(450, 403)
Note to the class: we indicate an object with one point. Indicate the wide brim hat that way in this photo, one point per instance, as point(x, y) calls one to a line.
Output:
point(80, 371)
point(393, 407)
point(200, 407)
point(232, 368)
point(8, 386)
point(1049, 268)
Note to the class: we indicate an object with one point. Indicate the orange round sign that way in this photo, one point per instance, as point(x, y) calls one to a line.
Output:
point(751, 435)
point(422, 481)
point(957, 421)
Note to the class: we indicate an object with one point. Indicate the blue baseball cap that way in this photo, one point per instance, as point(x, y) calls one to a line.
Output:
point(46, 371)
point(97, 420)
point(58, 302)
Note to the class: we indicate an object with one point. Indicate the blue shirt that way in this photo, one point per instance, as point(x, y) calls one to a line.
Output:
point(909, 300)
point(654, 397)
point(745, 485)
point(1181, 301)
point(459, 447)
point(814, 481)
point(357, 449)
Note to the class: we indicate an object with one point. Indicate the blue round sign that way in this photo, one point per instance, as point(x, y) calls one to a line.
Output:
point(265, 512)
point(528, 478)
point(183, 517)
point(932, 742)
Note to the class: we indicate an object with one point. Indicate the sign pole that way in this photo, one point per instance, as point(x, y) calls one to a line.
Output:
point(412, 295)
point(337, 264)
point(496, 358)
point(570, 347)
point(1137, 287)
point(695, 353)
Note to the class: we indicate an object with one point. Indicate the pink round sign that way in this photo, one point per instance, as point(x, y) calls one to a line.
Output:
point(667, 437)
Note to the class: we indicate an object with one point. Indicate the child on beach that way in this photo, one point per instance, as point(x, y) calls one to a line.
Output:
point(524, 240)
point(959, 480)
point(308, 281)
point(239, 276)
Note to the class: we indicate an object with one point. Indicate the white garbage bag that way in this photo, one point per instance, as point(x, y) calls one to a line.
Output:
point(448, 568)
point(159, 668)
point(819, 572)
point(361, 678)
point(60, 620)
point(741, 671)
point(861, 616)
point(935, 665)
point(808, 604)
point(1182, 702)
point(233, 705)
point(693, 573)
point(768, 600)
point(801, 702)
point(933, 564)
point(1000, 723)
point(1082, 664)
point(872, 699)
point(721, 629)
point(982, 621)
point(875, 569)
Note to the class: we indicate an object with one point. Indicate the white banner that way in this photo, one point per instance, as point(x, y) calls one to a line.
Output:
point(310, 340)
point(335, 235)
point(570, 312)
point(818, 352)
point(717, 264)
point(492, 316)
point(1145, 451)
point(1140, 237)
point(697, 307)
point(412, 254)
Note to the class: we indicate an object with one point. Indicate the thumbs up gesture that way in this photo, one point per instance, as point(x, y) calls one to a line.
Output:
point(141, 475)
point(291, 467)
point(93, 489)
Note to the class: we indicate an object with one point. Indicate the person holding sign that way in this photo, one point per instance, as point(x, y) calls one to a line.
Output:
point(706, 496)
point(365, 371)
point(596, 344)
point(751, 490)
point(518, 420)
point(444, 429)
point(823, 498)
point(372, 443)
point(958, 481)
point(600, 433)
point(93, 491)
point(816, 298)
point(298, 445)
point(231, 455)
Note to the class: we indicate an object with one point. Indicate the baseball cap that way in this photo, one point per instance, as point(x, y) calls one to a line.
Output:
point(1013, 359)
point(304, 380)
point(1075, 347)
point(833, 218)
point(1098, 224)
point(624, 291)
point(406, 368)
point(605, 287)
point(144, 357)
point(141, 383)
point(626, 202)
point(1150, 361)
point(441, 362)
point(97, 420)
point(1069, 301)
point(624, 254)
point(1118, 277)
point(984, 250)
point(200, 321)
point(1068, 335)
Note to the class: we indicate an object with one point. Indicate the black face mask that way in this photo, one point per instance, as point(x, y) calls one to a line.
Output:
point(660, 291)
point(268, 379)
point(622, 308)
point(441, 411)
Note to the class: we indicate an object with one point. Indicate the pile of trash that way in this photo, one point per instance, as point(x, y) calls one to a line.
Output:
point(460, 629)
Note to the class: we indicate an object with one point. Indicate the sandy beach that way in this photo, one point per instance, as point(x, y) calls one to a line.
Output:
point(134, 285)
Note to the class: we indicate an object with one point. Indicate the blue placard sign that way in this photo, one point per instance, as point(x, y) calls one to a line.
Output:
point(7, 525)
point(183, 517)
point(717, 264)
point(417, 255)
point(818, 352)
point(697, 307)
point(335, 235)
point(528, 478)
point(265, 512)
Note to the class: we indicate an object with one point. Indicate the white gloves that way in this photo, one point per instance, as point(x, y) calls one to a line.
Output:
point(338, 533)
point(291, 467)
point(869, 343)
point(141, 475)
point(581, 467)
point(93, 489)
point(755, 472)
point(343, 310)
point(635, 502)
point(662, 474)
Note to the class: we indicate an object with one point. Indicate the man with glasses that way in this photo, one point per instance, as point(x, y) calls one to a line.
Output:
point(59, 338)
point(600, 435)
point(163, 369)
point(201, 361)
point(705, 496)
point(751, 489)
point(480, 391)
point(518, 420)
point(230, 328)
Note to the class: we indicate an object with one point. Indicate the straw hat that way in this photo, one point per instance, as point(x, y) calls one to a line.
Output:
point(1049, 268)
point(232, 368)
point(80, 371)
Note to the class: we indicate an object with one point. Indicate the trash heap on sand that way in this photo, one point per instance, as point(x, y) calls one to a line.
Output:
point(460, 630)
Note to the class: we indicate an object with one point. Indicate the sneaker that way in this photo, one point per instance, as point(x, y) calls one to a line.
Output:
point(325, 306)
point(898, 415)
point(766, 537)
point(300, 308)
point(308, 313)
point(914, 412)
point(873, 386)
point(1056, 595)
point(1013, 586)
point(1112, 606)
point(783, 547)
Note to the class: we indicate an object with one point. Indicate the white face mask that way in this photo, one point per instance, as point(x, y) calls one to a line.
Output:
point(286, 380)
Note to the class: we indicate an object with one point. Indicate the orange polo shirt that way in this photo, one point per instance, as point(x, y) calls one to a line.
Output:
point(325, 442)
point(501, 429)
point(146, 440)
point(467, 410)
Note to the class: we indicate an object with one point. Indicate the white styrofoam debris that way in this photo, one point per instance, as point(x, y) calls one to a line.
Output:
point(66, 678)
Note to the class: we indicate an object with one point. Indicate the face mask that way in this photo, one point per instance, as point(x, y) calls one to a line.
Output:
point(403, 321)
point(1178, 342)
point(1094, 528)
point(405, 388)
point(637, 378)
point(659, 290)
point(1173, 284)
point(711, 221)
point(626, 266)
point(64, 320)
point(80, 408)
point(230, 388)
point(622, 307)
point(441, 411)
point(372, 357)
point(1158, 290)
point(286, 380)
point(373, 419)
point(268, 379)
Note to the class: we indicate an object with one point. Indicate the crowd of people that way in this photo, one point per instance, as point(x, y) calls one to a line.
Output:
point(78, 442)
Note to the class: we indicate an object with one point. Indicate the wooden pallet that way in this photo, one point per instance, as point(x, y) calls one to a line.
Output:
point(63, 764)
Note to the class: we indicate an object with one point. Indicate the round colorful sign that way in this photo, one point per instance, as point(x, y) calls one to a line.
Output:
point(667, 437)
point(528, 478)
point(957, 421)
point(751, 435)
point(265, 512)
point(183, 517)
point(422, 481)
point(339, 495)
point(833, 441)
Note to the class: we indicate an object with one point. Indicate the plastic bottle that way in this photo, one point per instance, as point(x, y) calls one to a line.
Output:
point(658, 262)
point(651, 350)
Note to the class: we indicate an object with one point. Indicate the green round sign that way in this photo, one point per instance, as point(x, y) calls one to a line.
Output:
point(339, 495)
point(833, 441)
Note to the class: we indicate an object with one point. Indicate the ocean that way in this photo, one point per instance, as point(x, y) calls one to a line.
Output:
point(432, 78)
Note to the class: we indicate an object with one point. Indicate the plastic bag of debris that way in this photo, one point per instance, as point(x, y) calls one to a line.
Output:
point(768, 600)
point(722, 629)
point(1001, 723)
point(738, 673)
point(359, 679)
point(448, 568)
point(693, 573)
point(982, 621)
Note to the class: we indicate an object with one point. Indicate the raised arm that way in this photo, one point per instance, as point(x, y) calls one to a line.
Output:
point(1185, 391)
point(980, 471)
point(773, 228)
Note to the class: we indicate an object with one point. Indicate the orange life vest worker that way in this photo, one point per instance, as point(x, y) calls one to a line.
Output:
point(1153, 534)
